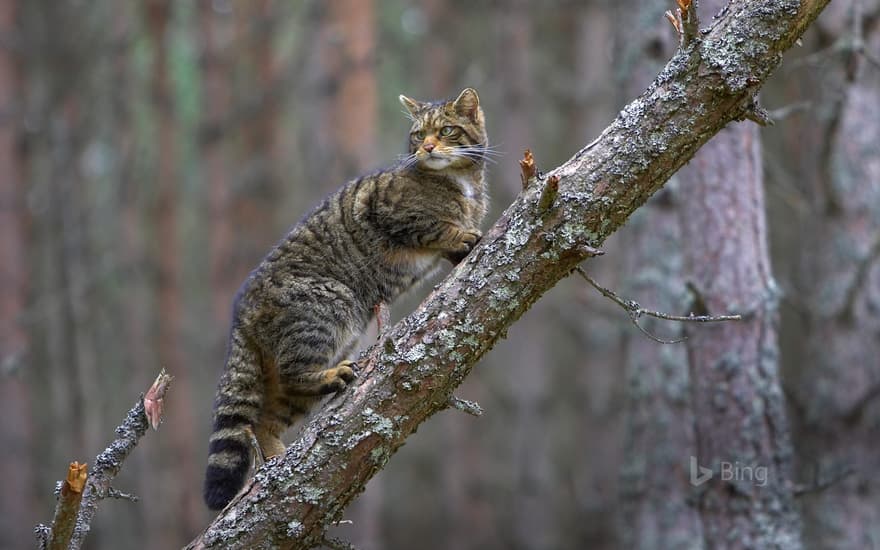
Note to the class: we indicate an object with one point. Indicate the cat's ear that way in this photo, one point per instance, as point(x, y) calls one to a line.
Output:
point(467, 103)
point(412, 106)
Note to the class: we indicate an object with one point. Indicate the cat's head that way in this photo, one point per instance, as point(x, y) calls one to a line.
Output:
point(447, 134)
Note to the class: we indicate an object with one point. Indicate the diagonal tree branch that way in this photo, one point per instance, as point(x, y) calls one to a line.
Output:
point(411, 374)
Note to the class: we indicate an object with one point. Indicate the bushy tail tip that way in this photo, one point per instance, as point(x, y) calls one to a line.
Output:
point(229, 462)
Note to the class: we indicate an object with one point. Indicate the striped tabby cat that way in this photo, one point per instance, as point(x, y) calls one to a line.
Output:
point(299, 314)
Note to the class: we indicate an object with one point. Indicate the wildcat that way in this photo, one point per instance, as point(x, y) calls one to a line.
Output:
point(299, 314)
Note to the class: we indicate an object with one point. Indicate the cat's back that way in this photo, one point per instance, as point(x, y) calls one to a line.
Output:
point(332, 254)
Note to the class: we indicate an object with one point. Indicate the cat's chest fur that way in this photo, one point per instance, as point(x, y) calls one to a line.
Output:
point(466, 185)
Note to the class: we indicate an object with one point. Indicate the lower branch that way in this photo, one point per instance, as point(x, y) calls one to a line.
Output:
point(80, 495)
point(635, 311)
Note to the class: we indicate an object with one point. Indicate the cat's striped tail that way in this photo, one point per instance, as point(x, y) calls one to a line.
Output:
point(236, 410)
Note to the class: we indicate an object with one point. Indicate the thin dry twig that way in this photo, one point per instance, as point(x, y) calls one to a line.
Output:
point(758, 114)
point(337, 544)
point(470, 407)
point(818, 485)
point(635, 311)
point(685, 21)
point(548, 194)
point(786, 111)
point(113, 493)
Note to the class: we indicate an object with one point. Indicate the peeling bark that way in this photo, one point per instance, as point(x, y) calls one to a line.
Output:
point(410, 375)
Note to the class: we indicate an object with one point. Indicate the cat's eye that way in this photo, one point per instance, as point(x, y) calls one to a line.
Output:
point(447, 131)
point(419, 136)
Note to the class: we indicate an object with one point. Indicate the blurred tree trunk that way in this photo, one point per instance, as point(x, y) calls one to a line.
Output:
point(347, 51)
point(659, 439)
point(739, 409)
point(525, 521)
point(585, 86)
point(182, 517)
point(656, 513)
point(16, 428)
point(215, 33)
point(259, 183)
point(738, 404)
point(53, 75)
point(836, 384)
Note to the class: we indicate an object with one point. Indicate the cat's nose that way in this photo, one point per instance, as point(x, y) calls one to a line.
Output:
point(428, 147)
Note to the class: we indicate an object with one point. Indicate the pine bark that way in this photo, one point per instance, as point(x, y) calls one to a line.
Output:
point(410, 375)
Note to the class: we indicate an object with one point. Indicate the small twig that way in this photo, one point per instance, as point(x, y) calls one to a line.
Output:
point(635, 311)
point(590, 251)
point(685, 21)
point(593, 143)
point(786, 111)
point(758, 114)
point(66, 509)
point(337, 544)
point(820, 485)
point(113, 493)
point(42, 532)
point(548, 194)
point(861, 277)
point(470, 407)
point(527, 167)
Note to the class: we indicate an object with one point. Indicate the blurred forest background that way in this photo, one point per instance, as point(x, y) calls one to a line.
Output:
point(152, 152)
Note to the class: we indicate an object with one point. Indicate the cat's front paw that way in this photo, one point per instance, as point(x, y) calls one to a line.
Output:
point(467, 241)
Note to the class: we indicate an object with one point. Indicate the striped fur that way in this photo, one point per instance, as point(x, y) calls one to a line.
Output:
point(300, 312)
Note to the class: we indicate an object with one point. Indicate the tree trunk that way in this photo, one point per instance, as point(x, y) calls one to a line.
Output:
point(16, 428)
point(545, 233)
point(184, 515)
point(216, 32)
point(836, 384)
point(347, 45)
point(741, 430)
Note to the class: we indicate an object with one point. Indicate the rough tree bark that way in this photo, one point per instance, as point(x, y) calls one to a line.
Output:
point(549, 229)
point(738, 407)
